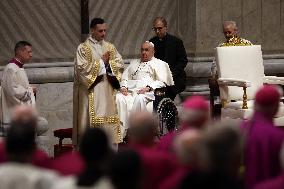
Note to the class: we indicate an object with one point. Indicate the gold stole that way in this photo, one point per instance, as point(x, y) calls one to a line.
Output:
point(235, 41)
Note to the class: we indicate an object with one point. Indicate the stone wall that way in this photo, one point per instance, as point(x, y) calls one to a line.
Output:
point(52, 27)
point(260, 21)
point(197, 22)
point(130, 22)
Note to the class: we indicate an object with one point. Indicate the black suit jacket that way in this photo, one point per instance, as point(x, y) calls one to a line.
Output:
point(175, 56)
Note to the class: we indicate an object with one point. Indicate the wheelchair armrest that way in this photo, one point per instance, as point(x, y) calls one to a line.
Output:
point(234, 82)
point(160, 91)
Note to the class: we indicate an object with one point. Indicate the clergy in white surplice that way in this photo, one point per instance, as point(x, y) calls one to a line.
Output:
point(138, 83)
point(16, 89)
point(96, 78)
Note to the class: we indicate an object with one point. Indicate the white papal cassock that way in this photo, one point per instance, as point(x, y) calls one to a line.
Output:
point(154, 73)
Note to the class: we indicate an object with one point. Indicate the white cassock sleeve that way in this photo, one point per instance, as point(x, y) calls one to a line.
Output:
point(102, 70)
point(125, 78)
point(163, 74)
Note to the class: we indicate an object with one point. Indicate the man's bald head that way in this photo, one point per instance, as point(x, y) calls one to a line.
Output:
point(187, 146)
point(147, 51)
point(20, 142)
point(24, 113)
point(142, 127)
point(222, 147)
point(230, 29)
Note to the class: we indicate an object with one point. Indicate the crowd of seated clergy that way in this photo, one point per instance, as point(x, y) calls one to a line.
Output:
point(203, 153)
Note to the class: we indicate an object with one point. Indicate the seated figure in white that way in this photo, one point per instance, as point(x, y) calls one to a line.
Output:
point(138, 83)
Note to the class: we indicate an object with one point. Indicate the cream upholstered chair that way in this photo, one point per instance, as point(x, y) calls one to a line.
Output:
point(241, 74)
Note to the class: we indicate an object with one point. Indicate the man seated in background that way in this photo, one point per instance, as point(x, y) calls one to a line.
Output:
point(19, 115)
point(143, 130)
point(20, 148)
point(187, 148)
point(219, 161)
point(230, 31)
point(142, 138)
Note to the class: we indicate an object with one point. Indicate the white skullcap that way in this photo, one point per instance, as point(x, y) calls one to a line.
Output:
point(152, 44)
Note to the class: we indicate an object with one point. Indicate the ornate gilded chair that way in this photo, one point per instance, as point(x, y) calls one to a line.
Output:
point(241, 73)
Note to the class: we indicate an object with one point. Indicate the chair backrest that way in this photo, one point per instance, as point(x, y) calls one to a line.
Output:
point(240, 62)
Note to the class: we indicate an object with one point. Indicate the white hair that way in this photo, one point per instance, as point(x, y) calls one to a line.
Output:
point(233, 23)
point(192, 116)
point(187, 146)
point(151, 44)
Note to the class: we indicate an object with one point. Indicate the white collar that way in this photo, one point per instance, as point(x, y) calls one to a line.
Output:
point(95, 41)
point(153, 58)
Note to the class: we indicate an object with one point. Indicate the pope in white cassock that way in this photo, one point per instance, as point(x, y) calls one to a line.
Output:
point(138, 83)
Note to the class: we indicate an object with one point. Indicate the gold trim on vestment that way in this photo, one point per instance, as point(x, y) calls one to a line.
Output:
point(91, 107)
point(94, 73)
point(112, 62)
point(95, 69)
point(111, 120)
point(236, 41)
point(94, 120)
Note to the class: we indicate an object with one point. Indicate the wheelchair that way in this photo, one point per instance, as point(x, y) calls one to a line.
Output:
point(166, 111)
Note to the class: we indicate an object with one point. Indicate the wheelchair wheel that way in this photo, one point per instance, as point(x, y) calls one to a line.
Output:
point(167, 114)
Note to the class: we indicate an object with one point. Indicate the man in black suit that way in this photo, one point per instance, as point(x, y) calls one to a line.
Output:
point(171, 50)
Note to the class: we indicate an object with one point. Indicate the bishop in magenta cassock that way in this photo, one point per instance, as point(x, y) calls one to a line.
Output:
point(263, 138)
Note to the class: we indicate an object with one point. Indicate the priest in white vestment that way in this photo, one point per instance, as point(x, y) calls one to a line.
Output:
point(16, 89)
point(139, 81)
point(97, 72)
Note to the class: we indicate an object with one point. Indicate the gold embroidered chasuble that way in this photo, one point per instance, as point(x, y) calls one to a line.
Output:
point(235, 41)
point(94, 101)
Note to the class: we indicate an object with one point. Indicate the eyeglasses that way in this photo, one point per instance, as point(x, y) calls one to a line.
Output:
point(158, 28)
